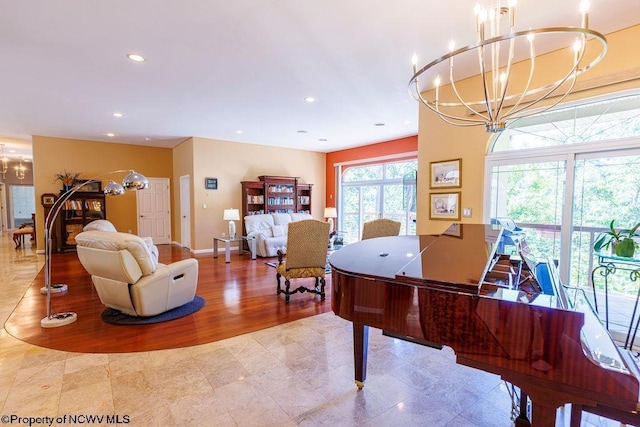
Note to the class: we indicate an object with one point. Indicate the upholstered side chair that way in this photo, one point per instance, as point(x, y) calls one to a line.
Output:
point(306, 257)
point(381, 227)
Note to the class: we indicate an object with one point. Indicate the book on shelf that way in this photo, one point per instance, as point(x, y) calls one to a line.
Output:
point(255, 200)
point(281, 188)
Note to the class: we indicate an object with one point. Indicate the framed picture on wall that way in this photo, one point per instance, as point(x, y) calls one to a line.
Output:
point(444, 206)
point(445, 174)
point(211, 183)
point(48, 199)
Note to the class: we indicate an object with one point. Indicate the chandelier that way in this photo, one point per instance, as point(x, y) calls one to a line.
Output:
point(5, 163)
point(20, 169)
point(499, 51)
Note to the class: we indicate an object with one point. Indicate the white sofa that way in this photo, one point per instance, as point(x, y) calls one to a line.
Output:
point(270, 231)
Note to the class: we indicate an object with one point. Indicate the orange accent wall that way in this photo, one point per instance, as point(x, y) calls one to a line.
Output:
point(381, 149)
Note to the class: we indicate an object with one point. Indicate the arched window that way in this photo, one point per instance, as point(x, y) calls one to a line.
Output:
point(564, 174)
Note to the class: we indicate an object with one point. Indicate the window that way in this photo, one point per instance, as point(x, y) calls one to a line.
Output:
point(382, 190)
point(564, 175)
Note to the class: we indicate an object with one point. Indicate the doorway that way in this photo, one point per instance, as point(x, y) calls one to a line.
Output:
point(154, 211)
point(22, 203)
point(185, 211)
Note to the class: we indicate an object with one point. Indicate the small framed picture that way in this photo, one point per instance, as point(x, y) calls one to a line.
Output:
point(445, 174)
point(444, 206)
point(48, 199)
point(211, 183)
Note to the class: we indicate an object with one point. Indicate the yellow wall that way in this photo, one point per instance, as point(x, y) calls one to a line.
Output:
point(231, 163)
point(198, 158)
point(440, 141)
point(91, 158)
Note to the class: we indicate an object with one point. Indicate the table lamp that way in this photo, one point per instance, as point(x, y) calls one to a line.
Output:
point(330, 213)
point(231, 215)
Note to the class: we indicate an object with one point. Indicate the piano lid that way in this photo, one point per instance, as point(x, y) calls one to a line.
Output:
point(459, 258)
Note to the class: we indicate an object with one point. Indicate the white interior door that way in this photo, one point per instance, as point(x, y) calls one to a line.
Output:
point(154, 211)
point(185, 211)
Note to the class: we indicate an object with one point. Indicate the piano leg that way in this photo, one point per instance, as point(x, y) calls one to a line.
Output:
point(576, 415)
point(360, 346)
point(523, 418)
point(543, 415)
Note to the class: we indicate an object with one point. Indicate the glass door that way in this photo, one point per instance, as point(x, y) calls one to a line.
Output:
point(531, 194)
point(607, 187)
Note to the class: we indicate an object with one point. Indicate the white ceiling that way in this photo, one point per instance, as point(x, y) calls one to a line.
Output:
point(217, 67)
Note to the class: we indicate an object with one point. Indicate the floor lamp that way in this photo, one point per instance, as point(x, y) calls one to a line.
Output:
point(132, 181)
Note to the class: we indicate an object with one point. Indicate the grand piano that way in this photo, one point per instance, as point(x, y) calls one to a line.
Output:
point(454, 290)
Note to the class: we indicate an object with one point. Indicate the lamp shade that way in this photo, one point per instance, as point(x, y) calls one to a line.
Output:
point(330, 213)
point(135, 180)
point(113, 189)
point(231, 215)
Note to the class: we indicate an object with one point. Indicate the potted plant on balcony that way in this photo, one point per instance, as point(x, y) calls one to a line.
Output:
point(622, 242)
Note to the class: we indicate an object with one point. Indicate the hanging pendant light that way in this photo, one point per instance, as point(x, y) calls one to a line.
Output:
point(502, 96)
point(5, 163)
point(20, 170)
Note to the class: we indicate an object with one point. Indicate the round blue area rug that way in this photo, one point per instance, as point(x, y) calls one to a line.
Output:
point(116, 317)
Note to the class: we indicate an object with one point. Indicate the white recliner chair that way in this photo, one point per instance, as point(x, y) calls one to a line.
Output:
point(125, 271)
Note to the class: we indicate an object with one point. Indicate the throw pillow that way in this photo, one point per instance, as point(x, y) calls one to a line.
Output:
point(277, 230)
point(99, 225)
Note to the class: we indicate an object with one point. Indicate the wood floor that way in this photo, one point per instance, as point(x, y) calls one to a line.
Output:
point(240, 297)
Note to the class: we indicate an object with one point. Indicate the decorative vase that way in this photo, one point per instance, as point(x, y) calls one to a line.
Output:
point(625, 248)
point(66, 188)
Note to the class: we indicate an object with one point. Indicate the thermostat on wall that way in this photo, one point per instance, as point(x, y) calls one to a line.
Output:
point(211, 183)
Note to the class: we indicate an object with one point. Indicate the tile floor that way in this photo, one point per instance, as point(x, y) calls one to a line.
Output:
point(296, 374)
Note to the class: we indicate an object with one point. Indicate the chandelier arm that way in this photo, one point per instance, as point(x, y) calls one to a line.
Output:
point(505, 84)
point(462, 102)
point(481, 61)
point(573, 74)
point(545, 108)
point(575, 71)
point(444, 116)
point(532, 67)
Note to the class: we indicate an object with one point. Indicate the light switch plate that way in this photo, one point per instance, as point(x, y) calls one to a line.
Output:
point(466, 212)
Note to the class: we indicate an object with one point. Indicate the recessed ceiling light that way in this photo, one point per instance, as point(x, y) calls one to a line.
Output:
point(379, 124)
point(111, 135)
point(12, 151)
point(309, 98)
point(323, 140)
point(147, 139)
point(135, 57)
point(302, 131)
point(406, 122)
point(239, 132)
point(117, 114)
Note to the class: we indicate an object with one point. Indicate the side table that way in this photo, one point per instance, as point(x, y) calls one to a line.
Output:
point(227, 246)
point(609, 264)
